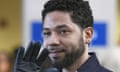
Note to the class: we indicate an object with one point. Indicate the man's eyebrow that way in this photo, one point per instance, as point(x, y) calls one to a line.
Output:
point(62, 26)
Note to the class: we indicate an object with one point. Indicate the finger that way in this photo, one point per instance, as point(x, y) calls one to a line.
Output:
point(20, 53)
point(36, 50)
point(29, 52)
point(42, 56)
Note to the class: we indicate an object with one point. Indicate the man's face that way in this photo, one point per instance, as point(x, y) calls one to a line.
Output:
point(63, 38)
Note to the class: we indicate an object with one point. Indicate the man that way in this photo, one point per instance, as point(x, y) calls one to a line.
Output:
point(68, 31)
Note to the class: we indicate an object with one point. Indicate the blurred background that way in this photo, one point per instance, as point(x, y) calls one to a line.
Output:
point(20, 22)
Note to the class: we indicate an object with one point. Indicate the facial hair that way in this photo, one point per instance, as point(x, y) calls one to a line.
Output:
point(70, 58)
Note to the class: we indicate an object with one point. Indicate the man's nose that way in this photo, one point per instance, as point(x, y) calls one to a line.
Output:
point(54, 40)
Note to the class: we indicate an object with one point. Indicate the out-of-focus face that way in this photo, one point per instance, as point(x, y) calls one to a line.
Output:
point(63, 38)
point(4, 63)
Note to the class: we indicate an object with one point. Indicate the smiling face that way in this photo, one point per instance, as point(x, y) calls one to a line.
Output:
point(63, 38)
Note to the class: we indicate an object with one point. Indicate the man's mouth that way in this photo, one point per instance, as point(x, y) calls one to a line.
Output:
point(56, 53)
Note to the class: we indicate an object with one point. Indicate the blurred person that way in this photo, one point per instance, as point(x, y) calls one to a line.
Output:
point(5, 62)
point(68, 31)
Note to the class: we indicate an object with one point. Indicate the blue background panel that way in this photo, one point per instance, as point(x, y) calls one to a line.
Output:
point(37, 31)
point(100, 34)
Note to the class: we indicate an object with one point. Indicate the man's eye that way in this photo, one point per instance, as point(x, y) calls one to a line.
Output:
point(64, 32)
point(46, 33)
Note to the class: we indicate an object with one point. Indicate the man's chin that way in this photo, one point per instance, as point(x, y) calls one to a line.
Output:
point(57, 62)
point(57, 58)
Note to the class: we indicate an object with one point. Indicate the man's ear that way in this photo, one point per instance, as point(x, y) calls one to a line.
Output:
point(88, 34)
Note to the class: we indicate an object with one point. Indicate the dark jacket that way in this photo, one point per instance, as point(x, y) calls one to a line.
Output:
point(92, 65)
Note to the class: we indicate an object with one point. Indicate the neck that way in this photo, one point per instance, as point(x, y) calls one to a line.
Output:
point(78, 63)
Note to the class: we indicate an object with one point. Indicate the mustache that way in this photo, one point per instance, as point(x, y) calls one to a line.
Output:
point(56, 49)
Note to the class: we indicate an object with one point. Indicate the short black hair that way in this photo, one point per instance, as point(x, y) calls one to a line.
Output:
point(79, 10)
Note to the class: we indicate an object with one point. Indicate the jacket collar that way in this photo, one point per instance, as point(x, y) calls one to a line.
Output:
point(91, 65)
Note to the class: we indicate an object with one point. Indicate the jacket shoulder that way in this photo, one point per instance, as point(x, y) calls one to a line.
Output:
point(102, 69)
